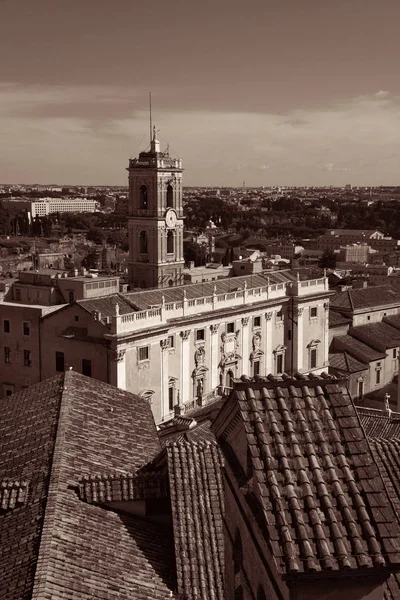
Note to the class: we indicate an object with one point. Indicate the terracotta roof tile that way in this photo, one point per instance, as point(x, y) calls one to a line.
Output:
point(357, 348)
point(336, 319)
point(197, 500)
point(380, 336)
point(378, 424)
point(322, 503)
point(104, 489)
point(54, 545)
point(343, 361)
point(369, 297)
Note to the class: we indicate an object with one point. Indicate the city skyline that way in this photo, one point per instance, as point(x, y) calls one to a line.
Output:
point(288, 94)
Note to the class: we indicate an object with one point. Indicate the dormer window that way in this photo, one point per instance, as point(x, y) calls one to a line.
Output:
point(143, 199)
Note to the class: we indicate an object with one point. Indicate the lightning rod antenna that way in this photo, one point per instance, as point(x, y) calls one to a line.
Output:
point(151, 123)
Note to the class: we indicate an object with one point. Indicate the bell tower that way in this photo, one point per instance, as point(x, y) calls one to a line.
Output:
point(155, 218)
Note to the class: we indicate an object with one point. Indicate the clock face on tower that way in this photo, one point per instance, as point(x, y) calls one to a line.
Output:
point(170, 218)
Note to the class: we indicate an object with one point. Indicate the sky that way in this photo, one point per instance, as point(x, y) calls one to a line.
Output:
point(270, 92)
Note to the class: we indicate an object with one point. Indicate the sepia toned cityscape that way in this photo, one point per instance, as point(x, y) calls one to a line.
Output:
point(199, 300)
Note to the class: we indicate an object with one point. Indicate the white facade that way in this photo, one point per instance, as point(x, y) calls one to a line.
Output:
point(46, 206)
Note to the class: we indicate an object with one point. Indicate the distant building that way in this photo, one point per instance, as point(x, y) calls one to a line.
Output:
point(354, 253)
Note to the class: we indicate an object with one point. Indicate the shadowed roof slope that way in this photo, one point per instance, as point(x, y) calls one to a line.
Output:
point(57, 546)
point(363, 298)
point(315, 479)
point(379, 423)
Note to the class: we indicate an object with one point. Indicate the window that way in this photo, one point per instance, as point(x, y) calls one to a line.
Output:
point(378, 376)
point(76, 317)
point(143, 242)
point(257, 322)
point(279, 315)
point(60, 362)
point(368, 318)
point(18, 294)
point(170, 242)
point(171, 397)
point(230, 328)
point(394, 352)
point(143, 201)
point(279, 363)
point(86, 367)
point(171, 341)
point(170, 196)
point(313, 358)
point(256, 368)
point(26, 328)
point(313, 312)
point(260, 593)
point(71, 297)
point(200, 336)
point(27, 358)
point(143, 353)
point(289, 334)
point(360, 390)
point(7, 354)
point(6, 326)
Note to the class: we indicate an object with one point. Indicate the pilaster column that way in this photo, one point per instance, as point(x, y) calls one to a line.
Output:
point(164, 345)
point(245, 346)
point(117, 367)
point(268, 343)
point(325, 359)
point(186, 394)
point(298, 347)
point(214, 356)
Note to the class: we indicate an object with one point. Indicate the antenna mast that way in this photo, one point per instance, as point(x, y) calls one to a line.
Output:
point(151, 123)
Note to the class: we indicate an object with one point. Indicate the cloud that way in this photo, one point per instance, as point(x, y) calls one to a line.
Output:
point(86, 134)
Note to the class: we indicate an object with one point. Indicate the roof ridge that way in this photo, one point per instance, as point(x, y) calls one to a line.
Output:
point(270, 480)
point(43, 556)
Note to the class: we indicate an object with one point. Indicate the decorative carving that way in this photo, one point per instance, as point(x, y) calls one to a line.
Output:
point(298, 311)
point(164, 344)
point(245, 321)
point(229, 346)
point(268, 315)
point(214, 328)
point(200, 356)
point(313, 343)
point(117, 354)
point(256, 343)
point(185, 335)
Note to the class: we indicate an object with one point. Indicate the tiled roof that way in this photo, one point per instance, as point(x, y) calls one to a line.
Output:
point(197, 500)
point(380, 336)
point(363, 298)
point(106, 305)
point(343, 361)
point(361, 351)
point(387, 457)
point(378, 424)
point(53, 435)
point(146, 299)
point(336, 319)
point(320, 491)
point(393, 320)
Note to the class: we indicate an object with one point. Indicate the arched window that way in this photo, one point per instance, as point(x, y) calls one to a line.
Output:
point(143, 204)
point(143, 242)
point(170, 196)
point(237, 553)
point(170, 242)
point(260, 593)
